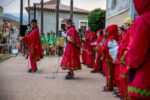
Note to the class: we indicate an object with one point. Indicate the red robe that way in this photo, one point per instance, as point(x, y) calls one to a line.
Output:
point(123, 72)
point(104, 51)
point(89, 51)
point(71, 56)
point(98, 62)
point(33, 42)
point(117, 63)
point(84, 48)
point(112, 31)
point(84, 51)
point(139, 53)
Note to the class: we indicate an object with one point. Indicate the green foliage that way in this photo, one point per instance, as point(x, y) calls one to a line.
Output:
point(96, 19)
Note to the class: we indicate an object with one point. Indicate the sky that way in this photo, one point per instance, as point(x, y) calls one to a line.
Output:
point(12, 6)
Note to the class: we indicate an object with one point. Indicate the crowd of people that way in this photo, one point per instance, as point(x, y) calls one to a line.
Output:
point(105, 53)
point(52, 43)
point(121, 53)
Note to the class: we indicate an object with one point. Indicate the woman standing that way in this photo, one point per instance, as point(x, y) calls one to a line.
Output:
point(71, 60)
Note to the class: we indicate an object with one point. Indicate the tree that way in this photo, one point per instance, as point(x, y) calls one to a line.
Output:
point(96, 19)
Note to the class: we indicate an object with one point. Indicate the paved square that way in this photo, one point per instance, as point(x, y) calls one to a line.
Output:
point(17, 84)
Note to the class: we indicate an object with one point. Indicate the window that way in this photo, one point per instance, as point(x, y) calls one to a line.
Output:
point(83, 25)
point(114, 3)
point(62, 25)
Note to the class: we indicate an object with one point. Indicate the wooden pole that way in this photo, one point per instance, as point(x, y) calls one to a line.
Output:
point(29, 11)
point(71, 9)
point(21, 12)
point(42, 22)
point(34, 11)
point(57, 17)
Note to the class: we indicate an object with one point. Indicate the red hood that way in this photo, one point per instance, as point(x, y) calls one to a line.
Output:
point(142, 6)
point(94, 35)
point(100, 31)
point(88, 36)
point(87, 33)
point(112, 30)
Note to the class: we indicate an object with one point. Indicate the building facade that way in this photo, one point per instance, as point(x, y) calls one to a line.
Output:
point(118, 10)
point(80, 16)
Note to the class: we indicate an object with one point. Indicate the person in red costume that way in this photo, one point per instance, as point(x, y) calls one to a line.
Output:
point(138, 55)
point(71, 56)
point(98, 44)
point(103, 51)
point(89, 51)
point(84, 47)
point(121, 32)
point(112, 31)
point(92, 51)
point(33, 42)
point(123, 72)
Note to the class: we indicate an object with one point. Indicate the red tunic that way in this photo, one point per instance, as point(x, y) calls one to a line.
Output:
point(103, 57)
point(34, 45)
point(71, 60)
point(139, 52)
point(84, 47)
point(122, 71)
point(112, 31)
point(33, 42)
point(84, 51)
point(89, 51)
point(98, 61)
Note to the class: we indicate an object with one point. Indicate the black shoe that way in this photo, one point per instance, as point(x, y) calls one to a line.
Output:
point(119, 96)
point(26, 57)
point(105, 89)
point(115, 93)
point(70, 75)
point(29, 71)
point(94, 71)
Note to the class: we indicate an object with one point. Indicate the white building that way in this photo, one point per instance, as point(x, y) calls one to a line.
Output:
point(118, 10)
point(80, 15)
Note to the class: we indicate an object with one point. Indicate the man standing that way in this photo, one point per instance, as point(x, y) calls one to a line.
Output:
point(33, 42)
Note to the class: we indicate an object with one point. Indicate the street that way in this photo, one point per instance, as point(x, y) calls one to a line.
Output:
point(17, 84)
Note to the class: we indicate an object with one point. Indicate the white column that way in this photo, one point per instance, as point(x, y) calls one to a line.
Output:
point(133, 12)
